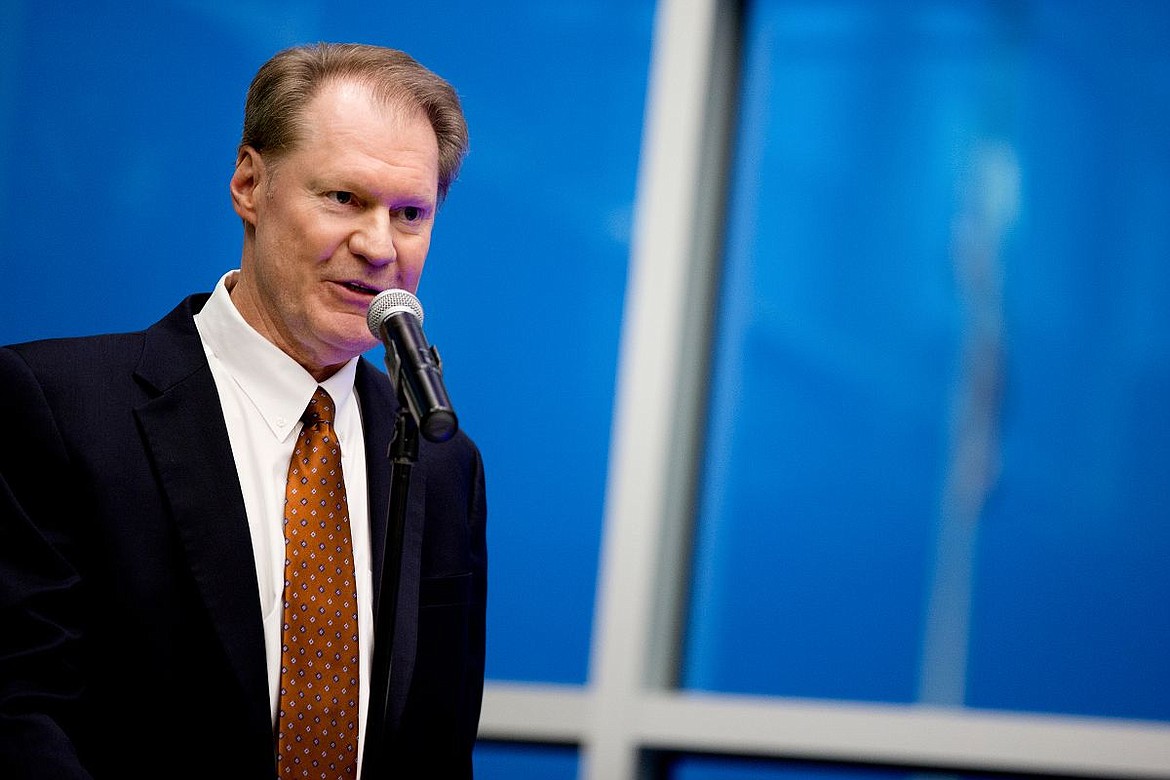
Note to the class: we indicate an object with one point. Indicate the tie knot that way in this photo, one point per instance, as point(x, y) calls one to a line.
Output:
point(320, 409)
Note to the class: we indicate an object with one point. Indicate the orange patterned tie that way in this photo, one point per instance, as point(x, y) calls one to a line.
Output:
point(317, 724)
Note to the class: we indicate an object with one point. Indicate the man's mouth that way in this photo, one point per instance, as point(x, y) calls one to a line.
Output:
point(358, 287)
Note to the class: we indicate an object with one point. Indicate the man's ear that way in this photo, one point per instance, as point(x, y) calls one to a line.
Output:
point(246, 183)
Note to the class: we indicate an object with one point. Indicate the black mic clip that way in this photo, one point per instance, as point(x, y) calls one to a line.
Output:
point(394, 361)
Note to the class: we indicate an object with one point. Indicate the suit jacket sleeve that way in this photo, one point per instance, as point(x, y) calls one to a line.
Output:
point(438, 729)
point(41, 606)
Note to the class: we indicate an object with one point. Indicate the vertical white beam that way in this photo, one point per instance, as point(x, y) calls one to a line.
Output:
point(652, 373)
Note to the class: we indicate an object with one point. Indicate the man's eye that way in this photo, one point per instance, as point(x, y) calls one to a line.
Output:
point(412, 213)
point(344, 198)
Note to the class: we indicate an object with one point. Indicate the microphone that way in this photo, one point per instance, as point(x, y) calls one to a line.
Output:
point(395, 318)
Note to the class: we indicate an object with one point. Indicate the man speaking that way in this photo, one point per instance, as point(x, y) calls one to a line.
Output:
point(193, 517)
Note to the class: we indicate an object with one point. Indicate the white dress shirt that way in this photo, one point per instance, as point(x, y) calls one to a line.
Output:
point(263, 392)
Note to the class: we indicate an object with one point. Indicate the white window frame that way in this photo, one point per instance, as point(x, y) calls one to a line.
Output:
point(630, 704)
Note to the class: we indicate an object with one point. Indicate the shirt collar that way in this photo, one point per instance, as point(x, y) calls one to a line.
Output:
point(276, 385)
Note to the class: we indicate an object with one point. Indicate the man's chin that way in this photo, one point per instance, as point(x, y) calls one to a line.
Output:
point(350, 334)
point(341, 347)
point(360, 346)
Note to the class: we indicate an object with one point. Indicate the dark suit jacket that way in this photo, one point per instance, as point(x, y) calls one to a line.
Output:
point(131, 641)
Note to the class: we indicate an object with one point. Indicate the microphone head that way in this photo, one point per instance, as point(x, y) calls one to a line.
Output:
point(390, 302)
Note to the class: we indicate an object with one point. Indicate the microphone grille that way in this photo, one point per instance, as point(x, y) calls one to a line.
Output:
point(390, 302)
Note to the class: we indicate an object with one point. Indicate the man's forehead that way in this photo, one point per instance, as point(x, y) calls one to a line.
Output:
point(356, 93)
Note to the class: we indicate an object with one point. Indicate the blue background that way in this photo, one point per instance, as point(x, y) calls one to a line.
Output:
point(120, 121)
point(928, 196)
point(870, 138)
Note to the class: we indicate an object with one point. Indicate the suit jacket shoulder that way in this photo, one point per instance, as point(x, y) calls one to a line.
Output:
point(128, 579)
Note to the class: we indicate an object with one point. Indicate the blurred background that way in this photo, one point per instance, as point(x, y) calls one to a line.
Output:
point(848, 457)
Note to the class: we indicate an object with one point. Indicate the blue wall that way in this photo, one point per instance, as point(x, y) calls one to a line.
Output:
point(118, 128)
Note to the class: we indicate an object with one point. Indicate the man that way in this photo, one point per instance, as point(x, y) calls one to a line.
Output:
point(159, 615)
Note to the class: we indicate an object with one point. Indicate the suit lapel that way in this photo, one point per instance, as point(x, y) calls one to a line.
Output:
point(183, 429)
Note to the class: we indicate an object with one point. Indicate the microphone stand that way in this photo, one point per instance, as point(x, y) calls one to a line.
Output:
point(403, 454)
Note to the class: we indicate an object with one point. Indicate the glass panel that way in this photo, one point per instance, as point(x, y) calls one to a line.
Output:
point(1069, 610)
point(940, 418)
point(509, 761)
point(118, 128)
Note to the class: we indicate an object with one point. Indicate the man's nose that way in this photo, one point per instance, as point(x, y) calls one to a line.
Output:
point(374, 240)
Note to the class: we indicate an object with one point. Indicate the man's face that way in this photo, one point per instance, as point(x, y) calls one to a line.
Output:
point(346, 214)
